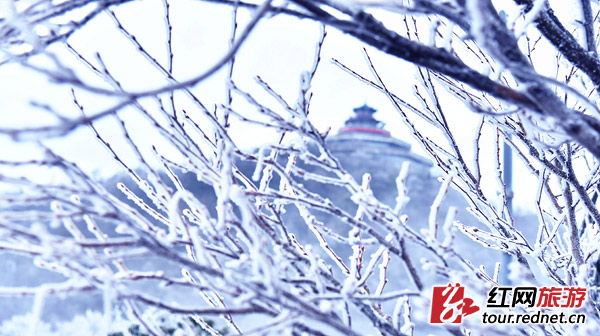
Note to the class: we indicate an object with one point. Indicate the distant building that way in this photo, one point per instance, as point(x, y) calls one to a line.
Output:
point(362, 146)
point(363, 135)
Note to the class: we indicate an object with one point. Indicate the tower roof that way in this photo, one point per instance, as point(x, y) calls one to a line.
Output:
point(363, 121)
point(365, 109)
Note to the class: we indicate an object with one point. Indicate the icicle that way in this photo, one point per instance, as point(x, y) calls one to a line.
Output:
point(259, 163)
point(402, 199)
point(437, 203)
point(448, 226)
point(36, 311)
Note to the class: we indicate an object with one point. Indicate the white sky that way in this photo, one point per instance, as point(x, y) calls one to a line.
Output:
point(278, 50)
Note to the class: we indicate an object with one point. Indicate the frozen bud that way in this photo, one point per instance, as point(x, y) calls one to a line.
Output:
point(326, 307)
point(366, 180)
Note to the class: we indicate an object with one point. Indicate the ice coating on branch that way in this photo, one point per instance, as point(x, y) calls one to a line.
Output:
point(312, 224)
point(478, 21)
point(36, 312)
point(402, 199)
point(447, 35)
point(521, 25)
point(224, 185)
point(175, 222)
point(147, 188)
point(259, 163)
point(108, 298)
point(141, 204)
point(448, 226)
point(351, 282)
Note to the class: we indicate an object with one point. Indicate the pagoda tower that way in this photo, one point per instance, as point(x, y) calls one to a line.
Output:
point(364, 136)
